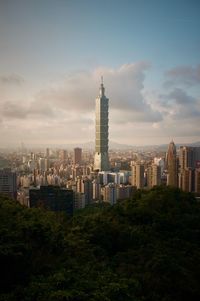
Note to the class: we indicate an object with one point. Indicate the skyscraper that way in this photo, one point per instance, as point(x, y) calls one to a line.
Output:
point(138, 175)
point(171, 165)
point(52, 198)
point(197, 181)
point(186, 179)
point(101, 161)
point(188, 161)
point(153, 175)
point(77, 155)
point(8, 183)
point(188, 157)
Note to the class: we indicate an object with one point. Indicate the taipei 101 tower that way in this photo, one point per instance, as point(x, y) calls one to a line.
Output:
point(101, 161)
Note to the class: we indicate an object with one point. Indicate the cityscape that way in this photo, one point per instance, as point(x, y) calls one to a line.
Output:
point(99, 150)
point(78, 178)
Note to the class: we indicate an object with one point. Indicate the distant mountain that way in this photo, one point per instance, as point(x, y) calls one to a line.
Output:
point(112, 146)
point(91, 145)
point(195, 143)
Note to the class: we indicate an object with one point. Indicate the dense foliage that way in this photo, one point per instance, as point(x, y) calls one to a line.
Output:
point(144, 249)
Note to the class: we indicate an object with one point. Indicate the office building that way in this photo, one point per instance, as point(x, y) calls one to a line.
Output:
point(8, 183)
point(77, 155)
point(52, 198)
point(101, 161)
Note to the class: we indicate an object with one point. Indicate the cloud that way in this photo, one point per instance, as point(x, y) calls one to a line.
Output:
point(13, 110)
point(187, 76)
point(12, 79)
point(124, 85)
point(64, 111)
point(180, 105)
point(20, 110)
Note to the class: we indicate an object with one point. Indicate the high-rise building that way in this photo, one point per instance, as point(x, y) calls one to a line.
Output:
point(8, 183)
point(188, 157)
point(96, 189)
point(84, 185)
point(101, 161)
point(109, 193)
point(42, 164)
point(153, 175)
point(171, 165)
point(79, 200)
point(124, 191)
point(53, 198)
point(47, 153)
point(138, 175)
point(160, 162)
point(188, 162)
point(63, 155)
point(197, 181)
point(86, 188)
point(186, 179)
point(77, 155)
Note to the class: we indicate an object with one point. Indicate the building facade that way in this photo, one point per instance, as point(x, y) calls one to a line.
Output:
point(52, 198)
point(8, 183)
point(153, 175)
point(138, 175)
point(172, 165)
point(77, 155)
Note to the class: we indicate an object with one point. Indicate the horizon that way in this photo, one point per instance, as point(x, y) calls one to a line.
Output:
point(90, 146)
point(54, 53)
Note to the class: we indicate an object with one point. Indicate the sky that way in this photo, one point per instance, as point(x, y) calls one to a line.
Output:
point(54, 52)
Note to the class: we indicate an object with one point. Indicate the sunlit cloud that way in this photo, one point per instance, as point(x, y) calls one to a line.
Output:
point(64, 111)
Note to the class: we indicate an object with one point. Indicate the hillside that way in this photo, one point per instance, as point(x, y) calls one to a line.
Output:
point(144, 249)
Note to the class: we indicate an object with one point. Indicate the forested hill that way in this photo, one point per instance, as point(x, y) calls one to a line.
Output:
point(145, 249)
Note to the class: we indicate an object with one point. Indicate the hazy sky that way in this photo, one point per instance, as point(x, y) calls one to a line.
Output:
point(53, 53)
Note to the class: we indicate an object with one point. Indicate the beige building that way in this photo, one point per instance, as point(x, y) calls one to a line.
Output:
point(186, 179)
point(172, 165)
point(153, 175)
point(138, 175)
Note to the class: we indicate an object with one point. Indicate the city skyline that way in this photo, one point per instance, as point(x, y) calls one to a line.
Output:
point(54, 53)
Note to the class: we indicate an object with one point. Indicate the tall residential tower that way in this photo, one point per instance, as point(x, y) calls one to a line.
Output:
point(171, 165)
point(101, 161)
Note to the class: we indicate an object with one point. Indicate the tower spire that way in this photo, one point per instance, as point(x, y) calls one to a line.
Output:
point(102, 89)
